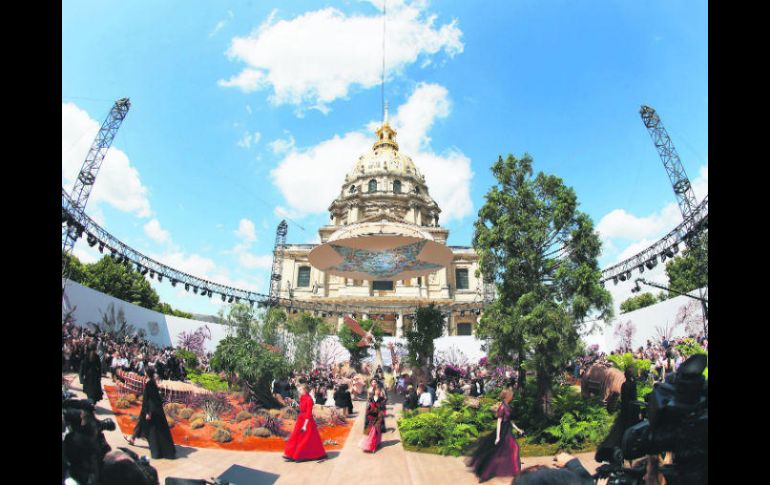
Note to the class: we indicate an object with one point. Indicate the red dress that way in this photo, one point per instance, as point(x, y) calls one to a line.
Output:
point(305, 445)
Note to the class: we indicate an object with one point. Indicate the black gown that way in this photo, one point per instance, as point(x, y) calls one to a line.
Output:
point(91, 377)
point(156, 430)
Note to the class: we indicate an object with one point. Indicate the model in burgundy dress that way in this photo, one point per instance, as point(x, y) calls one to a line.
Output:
point(304, 442)
point(497, 460)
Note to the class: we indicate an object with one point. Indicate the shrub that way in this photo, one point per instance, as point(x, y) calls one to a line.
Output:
point(186, 413)
point(337, 419)
point(122, 404)
point(196, 423)
point(214, 405)
point(288, 413)
point(189, 358)
point(222, 435)
point(218, 424)
point(210, 381)
point(275, 425)
point(172, 409)
point(242, 416)
point(274, 412)
point(130, 397)
point(201, 416)
point(170, 421)
point(262, 432)
point(422, 430)
point(624, 360)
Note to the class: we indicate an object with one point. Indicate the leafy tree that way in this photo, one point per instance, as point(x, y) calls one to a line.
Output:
point(120, 280)
point(77, 270)
point(542, 254)
point(241, 319)
point(637, 302)
point(307, 332)
point(250, 363)
point(349, 339)
point(273, 321)
point(428, 326)
point(689, 271)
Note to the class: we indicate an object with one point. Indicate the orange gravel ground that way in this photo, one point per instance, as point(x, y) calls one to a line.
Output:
point(201, 437)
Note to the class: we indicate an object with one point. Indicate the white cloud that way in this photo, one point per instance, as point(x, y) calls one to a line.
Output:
point(251, 261)
point(315, 58)
point(638, 233)
point(310, 179)
point(249, 139)
point(221, 24)
point(117, 183)
point(282, 145)
point(246, 231)
point(621, 224)
point(155, 232)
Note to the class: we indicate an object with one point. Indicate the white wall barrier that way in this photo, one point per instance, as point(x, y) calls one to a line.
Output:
point(164, 329)
point(159, 329)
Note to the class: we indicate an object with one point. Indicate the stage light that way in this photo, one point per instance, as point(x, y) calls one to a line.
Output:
point(223, 297)
point(186, 287)
point(91, 240)
point(230, 300)
point(675, 248)
point(663, 257)
point(173, 283)
point(622, 277)
point(209, 293)
point(615, 279)
point(641, 268)
point(152, 274)
point(195, 290)
point(101, 247)
point(160, 277)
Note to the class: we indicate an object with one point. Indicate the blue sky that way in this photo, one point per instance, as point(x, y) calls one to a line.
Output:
point(244, 112)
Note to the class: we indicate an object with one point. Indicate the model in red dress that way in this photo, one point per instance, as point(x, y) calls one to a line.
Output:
point(304, 442)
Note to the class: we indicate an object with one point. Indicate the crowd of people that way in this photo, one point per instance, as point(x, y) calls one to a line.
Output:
point(663, 354)
point(130, 353)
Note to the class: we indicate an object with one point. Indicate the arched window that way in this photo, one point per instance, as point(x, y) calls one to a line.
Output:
point(372, 185)
point(397, 186)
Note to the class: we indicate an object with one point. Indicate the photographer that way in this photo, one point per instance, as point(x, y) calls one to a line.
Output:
point(676, 424)
point(84, 445)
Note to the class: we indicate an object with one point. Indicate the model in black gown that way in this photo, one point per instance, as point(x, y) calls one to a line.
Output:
point(152, 423)
point(91, 376)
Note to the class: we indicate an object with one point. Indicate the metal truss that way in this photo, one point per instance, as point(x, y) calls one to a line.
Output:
point(80, 224)
point(277, 269)
point(667, 246)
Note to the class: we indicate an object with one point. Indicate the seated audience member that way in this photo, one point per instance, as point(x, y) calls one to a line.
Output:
point(425, 400)
point(410, 402)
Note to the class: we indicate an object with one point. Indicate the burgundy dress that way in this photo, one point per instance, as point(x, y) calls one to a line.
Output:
point(501, 460)
point(305, 445)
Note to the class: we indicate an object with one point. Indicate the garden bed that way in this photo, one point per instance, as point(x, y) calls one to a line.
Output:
point(527, 450)
point(183, 433)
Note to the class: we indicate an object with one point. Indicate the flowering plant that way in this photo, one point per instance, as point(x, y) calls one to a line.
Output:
point(484, 361)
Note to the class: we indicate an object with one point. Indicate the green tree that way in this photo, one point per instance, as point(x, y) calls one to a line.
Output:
point(637, 302)
point(307, 332)
point(542, 254)
point(273, 321)
point(77, 271)
point(689, 271)
point(428, 326)
point(349, 339)
point(121, 281)
point(249, 363)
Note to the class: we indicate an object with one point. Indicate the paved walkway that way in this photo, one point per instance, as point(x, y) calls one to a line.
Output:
point(390, 465)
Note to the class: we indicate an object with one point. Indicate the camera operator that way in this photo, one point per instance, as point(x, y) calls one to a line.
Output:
point(84, 444)
point(676, 424)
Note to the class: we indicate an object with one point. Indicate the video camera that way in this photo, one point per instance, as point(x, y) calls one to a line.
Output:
point(676, 421)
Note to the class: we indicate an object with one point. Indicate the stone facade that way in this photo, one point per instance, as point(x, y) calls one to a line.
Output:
point(385, 185)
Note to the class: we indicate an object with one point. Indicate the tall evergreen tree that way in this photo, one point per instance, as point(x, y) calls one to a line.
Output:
point(542, 254)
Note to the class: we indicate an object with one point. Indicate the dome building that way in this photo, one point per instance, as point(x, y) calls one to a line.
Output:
point(385, 195)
